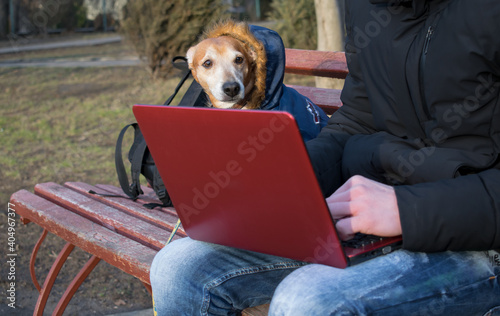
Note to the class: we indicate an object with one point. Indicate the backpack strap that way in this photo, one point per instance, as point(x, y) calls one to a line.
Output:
point(180, 65)
point(134, 189)
point(194, 97)
point(137, 159)
point(160, 191)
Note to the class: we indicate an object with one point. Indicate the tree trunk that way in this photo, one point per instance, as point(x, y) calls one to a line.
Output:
point(329, 16)
point(4, 25)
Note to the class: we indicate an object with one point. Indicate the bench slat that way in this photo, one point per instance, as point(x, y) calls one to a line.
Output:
point(109, 217)
point(149, 196)
point(119, 251)
point(315, 63)
point(164, 217)
point(327, 99)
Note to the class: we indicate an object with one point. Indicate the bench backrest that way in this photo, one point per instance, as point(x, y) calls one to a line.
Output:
point(320, 64)
point(316, 63)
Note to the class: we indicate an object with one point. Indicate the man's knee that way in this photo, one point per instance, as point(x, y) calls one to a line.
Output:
point(175, 267)
point(297, 294)
point(175, 261)
point(311, 290)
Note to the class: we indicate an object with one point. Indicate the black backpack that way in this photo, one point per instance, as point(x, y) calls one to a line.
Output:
point(139, 155)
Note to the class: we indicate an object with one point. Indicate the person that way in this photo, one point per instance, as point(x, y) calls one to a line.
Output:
point(414, 150)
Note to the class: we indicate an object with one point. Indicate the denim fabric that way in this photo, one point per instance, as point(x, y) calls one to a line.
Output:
point(401, 283)
point(195, 278)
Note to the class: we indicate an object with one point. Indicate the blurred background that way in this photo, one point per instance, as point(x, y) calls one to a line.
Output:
point(70, 72)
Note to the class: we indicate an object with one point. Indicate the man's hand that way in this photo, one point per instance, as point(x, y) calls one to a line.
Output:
point(366, 206)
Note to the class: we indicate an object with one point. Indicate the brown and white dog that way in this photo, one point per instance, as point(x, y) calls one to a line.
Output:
point(230, 64)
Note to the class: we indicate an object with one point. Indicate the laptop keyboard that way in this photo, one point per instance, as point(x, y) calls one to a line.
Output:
point(361, 240)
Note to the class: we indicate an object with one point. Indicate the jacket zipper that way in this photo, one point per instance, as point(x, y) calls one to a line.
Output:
point(423, 57)
point(430, 30)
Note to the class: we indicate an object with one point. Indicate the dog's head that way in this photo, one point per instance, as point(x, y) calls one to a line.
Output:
point(224, 67)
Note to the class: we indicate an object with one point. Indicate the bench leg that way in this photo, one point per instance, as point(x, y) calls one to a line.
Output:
point(51, 277)
point(75, 284)
point(148, 287)
point(33, 258)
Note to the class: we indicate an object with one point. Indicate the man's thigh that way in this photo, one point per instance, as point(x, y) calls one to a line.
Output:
point(191, 277)
point(401, 283)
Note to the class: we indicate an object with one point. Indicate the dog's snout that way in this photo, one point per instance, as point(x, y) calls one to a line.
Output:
point(231, 88)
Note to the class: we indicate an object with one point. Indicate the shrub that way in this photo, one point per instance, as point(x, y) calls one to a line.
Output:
point(295, 22)
point(73, 16)
point(161, 30)
point(41, 16)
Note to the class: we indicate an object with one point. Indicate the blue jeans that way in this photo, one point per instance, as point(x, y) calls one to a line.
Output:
point(195, 278)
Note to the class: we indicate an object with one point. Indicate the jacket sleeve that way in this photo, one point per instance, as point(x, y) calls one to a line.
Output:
point(454, 214)
point(354, 117)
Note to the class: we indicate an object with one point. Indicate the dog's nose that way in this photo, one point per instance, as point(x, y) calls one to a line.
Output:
point(231, 88)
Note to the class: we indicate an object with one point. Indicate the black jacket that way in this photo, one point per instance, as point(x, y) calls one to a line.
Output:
point(422, 112)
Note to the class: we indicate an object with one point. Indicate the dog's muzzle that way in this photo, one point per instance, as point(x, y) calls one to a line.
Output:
point(231, 89)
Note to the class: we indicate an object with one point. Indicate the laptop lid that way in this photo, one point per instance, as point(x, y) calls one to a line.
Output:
point(242, 179)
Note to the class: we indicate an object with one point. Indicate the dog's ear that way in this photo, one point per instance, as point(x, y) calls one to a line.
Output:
point(190, 55)
point(253, 55)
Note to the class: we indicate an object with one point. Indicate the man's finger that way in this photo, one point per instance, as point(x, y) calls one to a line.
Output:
point(345, 229)
point(340, 209)
point(339, 196)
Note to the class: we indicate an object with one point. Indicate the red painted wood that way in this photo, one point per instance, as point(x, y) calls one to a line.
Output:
point(149, 196)
point(316, 63)
point(148, 288)
point(119, 251)
point(107, 216)
point(260, 310)
point(327, 99)
point(74, 285)
point(161, 217)
point(24, 220)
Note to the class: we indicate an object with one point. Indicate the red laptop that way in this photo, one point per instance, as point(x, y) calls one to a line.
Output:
point(243, 179)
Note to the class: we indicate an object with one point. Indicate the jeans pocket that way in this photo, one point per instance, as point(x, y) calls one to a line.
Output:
point(495, 311)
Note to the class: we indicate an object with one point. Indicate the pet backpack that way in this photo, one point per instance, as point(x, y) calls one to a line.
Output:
point(139, 155)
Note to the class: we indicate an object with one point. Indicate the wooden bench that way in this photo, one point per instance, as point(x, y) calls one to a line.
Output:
point(123, 232)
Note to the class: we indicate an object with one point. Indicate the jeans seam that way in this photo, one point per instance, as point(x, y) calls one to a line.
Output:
point(239, 272)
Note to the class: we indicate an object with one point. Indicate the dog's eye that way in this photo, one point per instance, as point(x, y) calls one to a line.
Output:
point(239, 60)
point(207, 63)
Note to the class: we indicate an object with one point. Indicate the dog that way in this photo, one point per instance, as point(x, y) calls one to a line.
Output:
point(241, 66)
point(229, 64)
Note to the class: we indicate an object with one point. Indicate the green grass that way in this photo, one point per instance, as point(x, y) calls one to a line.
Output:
point(59, 124)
